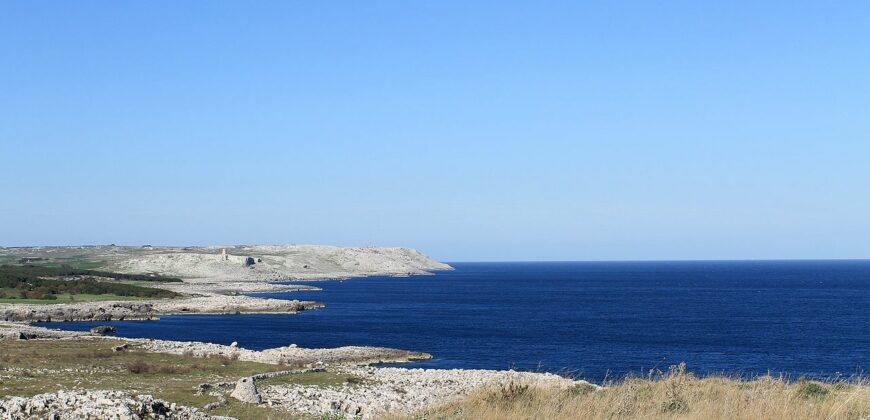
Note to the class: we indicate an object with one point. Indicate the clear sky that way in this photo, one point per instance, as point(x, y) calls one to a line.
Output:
point(469, 130)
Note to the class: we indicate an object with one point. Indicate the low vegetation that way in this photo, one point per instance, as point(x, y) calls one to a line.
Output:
point(30, 270)
point(39, 366)
point(675, 394)
point(38, 284)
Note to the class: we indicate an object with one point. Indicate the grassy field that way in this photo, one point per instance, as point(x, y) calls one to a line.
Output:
point(78, 263)
point(44, 271)
point(63, 298)
point(671, 395)
point(39, 366)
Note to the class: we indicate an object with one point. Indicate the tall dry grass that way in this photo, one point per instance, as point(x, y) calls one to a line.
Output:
point(674, 394)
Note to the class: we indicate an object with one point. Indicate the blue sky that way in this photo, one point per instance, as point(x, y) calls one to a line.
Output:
point(485, 131)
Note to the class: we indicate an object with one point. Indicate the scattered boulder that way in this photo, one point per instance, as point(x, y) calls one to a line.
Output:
point(202, 389)
point(102, 330)
point(120, 348)
point(234, 344)
point(217, 404)
point(27, 336)
point(246, 391)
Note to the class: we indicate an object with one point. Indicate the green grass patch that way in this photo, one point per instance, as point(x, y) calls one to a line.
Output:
point(64, 298)
point(33, 284)
point(31, 270)
point(81, 264)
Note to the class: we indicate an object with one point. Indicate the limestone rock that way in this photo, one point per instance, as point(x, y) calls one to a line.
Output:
point(69, 405)
point(246, 391)
point(102, 330)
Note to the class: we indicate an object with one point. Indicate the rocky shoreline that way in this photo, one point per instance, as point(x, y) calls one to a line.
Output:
point(208, 290)
point(151, 310)
point(289, 355)
point(374, 392)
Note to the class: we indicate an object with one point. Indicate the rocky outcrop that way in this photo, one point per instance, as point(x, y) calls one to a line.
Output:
point(92, 311)
point(109, 311)
point(17, 331)
point(289, 355)
point(102, 330)
point(74, 405)
point(222, 304)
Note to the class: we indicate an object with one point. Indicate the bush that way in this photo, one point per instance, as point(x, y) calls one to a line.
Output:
point(808, 390)
point(226, 360)
point(142, 367)
point(581, 389)
point(509, 392)
point(676, 382)
point(31, 284)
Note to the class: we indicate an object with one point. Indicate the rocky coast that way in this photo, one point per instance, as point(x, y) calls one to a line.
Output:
point(292, 380)
point(401, 391)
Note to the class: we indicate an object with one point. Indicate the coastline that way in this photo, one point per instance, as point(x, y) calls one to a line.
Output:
point(221, 293)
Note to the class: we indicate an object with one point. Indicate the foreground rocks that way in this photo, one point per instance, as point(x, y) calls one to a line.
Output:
point(367, 393)
point(399, 390)
point(94, 405)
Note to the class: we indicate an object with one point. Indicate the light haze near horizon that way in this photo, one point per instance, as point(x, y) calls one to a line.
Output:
point(471, 131)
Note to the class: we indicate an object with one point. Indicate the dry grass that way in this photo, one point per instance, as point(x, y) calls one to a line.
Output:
point(37, 366)
point(675, 394)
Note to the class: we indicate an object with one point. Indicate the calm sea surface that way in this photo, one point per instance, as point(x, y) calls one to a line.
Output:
point(589, 318)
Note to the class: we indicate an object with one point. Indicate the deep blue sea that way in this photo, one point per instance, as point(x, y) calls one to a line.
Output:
point(591, 319)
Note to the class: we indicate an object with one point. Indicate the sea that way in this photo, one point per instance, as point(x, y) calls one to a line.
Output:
point(591, 320)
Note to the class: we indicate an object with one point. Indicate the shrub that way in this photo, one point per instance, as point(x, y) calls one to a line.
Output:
point(676, 382)
point(31, 283)
point(581, 389)
point(226, 360)
point(141, 367)
point(509, 392)
point(808, 390)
